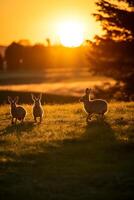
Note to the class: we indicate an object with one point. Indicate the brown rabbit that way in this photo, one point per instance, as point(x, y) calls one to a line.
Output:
point(37, 107)
point(17, 112)
point(96, 106)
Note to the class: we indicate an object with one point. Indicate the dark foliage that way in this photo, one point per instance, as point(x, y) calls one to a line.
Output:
point(112, 54)
point(116, 20)
point(39, 56)
point(14, 56)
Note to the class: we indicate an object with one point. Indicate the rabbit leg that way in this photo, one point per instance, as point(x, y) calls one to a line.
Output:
point(40, 120)
point(88, 117)
point(35, 120)
point(102, 115)
point(15, 120)
point(12, 120)
point(22, 121)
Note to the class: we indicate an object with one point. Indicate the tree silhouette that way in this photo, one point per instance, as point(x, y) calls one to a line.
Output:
point(27, 57)
point(112, 54)
point(14, 56)
point(116, 20)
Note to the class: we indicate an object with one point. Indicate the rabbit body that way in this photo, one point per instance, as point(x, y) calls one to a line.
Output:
point(17, 112)
point(37, 108)
point(96, 106)
point(37, 111)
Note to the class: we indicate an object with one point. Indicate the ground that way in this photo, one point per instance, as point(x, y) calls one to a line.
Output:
point(65, 158)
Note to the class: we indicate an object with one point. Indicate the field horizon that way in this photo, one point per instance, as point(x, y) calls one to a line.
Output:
point(57, 85)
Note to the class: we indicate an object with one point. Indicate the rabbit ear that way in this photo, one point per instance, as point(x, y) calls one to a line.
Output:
point(40, 96)
point(16, 99)
point(9, 99)
point(33, 97)
point(87, 91)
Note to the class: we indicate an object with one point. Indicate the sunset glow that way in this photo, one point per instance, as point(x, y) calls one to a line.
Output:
point(41, 19)
point(71, 33)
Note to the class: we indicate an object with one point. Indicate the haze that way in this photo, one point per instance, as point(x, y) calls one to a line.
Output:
point(37, 20)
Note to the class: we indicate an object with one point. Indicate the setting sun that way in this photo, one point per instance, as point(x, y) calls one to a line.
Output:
point(71, 33)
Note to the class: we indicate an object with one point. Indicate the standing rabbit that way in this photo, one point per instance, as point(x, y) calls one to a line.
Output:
point(96, 106)
point(37, 107)
point(17, 112)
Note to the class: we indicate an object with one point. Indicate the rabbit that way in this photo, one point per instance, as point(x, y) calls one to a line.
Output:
point(17, 112)
point(37, 107)
point(96, 106)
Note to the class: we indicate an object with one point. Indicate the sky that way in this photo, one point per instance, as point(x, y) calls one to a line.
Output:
point(37, 20)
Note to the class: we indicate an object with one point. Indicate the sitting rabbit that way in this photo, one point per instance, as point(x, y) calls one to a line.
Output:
point(96, 106)
point(37, 108)
point(17, 112)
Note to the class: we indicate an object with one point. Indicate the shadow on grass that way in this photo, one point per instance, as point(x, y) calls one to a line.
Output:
point(96, 131)
point(101, 134)
point(87, 168)
point(100, 129)
point(18, 128)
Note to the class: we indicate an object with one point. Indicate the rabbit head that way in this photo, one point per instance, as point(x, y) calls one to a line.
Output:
point(86, 96)
point(13, 101)
point(88, 91)
point(36, 99)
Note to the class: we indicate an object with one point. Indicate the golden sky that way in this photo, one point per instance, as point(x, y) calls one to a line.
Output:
point(38, 19)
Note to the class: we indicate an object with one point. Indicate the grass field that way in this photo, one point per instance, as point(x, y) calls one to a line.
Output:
point(66, 159)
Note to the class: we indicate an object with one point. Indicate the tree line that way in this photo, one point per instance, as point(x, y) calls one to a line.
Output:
point(39, 57)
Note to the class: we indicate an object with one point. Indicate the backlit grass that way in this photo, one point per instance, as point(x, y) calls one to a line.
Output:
point(65, 158)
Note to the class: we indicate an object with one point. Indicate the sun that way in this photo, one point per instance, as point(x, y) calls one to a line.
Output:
point(71, 33)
